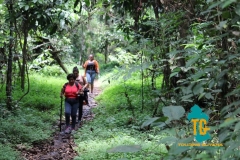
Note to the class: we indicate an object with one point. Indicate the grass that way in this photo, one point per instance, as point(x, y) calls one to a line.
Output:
point(116, 125)
point(33, 117)
point(8, 153)
point(115, 95)
point(116, 122)
point(100, 135)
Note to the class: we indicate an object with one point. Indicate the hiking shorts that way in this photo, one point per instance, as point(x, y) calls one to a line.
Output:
point(90, 76)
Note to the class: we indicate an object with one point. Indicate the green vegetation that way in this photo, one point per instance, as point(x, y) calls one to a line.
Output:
point(7, 153)
point(120, 123)
point(44, 93)
point(33, 117)
point(103, 133)
point(157, 59)
point(115, 125)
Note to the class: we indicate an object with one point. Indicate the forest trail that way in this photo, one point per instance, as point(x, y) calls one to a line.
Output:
point(61, 146)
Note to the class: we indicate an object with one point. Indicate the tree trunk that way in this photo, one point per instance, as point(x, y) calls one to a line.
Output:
point(183, 30)
point(153, 73)
point(56, 57)
point(3, 61)
point(138, 9)
point(24, 49)
point(10, 61)
point(106, 40)
point(224, 86)
point(83, 47)
point(156, 5)
point(166, 72)
point(106, 51)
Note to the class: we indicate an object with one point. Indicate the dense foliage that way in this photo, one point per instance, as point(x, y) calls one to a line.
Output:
point(158, 57)
point(33, 118)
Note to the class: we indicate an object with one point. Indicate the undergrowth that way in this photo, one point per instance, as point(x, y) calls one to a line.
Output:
point(8, 153)
point(122, 119)
point(96, 138)
point(118, 122)
point(32, 118)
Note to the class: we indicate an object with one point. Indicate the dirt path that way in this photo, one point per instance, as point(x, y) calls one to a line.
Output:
point(60, 146)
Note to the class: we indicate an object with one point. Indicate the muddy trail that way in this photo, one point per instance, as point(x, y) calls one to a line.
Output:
point(60, 146)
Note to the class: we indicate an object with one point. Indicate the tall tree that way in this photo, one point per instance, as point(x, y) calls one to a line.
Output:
point(25, 30)
point(10, 56)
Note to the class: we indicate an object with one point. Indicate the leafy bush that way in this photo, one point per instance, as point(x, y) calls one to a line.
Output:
point(100, 58)
point(53, 70)
point(123, 93)
point(115, 115)
point(129, 94)
point(123, 57)
point(7, 153)
point(181, 131)
point(43, 60)
point(109, 66)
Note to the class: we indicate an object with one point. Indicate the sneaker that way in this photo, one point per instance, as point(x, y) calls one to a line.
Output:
point(79, 123)
point(73, 131)
point(68, 130)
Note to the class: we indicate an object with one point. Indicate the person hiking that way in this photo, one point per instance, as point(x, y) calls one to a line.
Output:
point(71, 90)
point(83, 97)
point(91, 69)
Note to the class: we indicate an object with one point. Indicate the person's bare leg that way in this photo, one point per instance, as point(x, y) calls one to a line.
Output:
point(92, 88)
point(87, 85)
